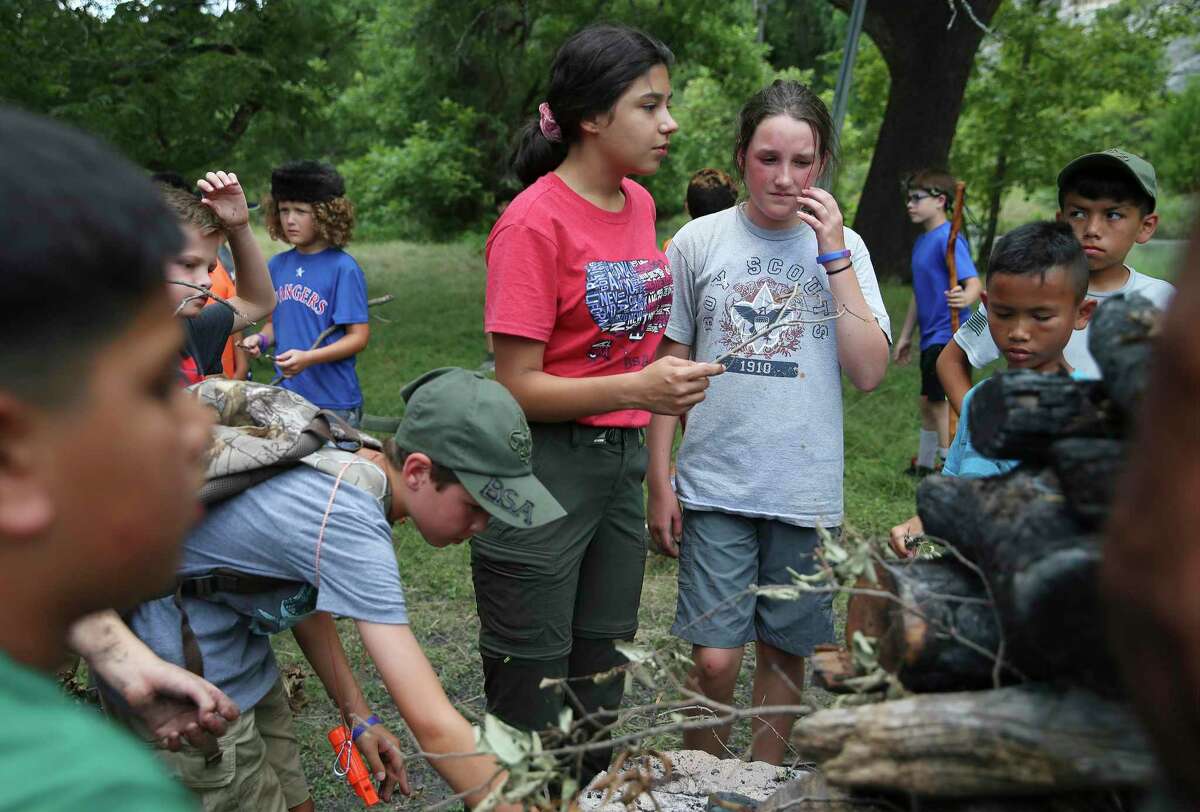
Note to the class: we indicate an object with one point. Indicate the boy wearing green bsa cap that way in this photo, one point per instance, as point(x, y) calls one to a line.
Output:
point(323, 546)
point(1108, 198)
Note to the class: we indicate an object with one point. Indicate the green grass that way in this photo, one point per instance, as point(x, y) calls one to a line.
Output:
point(1159, 258)
point(436, 321)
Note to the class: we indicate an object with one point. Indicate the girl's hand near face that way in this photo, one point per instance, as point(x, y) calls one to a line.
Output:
point(820, 210)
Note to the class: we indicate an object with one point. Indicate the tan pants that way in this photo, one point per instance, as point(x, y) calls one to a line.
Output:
point(260, 764)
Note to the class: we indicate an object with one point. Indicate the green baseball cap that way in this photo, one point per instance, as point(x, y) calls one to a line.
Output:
point(473, 426)
point(1139, 169)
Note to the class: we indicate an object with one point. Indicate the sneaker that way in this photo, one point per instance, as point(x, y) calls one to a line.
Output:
point(920, 471)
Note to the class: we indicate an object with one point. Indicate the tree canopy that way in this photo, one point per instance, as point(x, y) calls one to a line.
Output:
point(417, 101)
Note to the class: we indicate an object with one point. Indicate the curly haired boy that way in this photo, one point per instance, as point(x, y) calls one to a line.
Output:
point(317, 285)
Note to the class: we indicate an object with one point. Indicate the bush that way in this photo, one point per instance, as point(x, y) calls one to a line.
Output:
point(428, 187)
point(1175, 139)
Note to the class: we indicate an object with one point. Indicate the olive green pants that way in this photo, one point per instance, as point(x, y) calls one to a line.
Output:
point(553, 599)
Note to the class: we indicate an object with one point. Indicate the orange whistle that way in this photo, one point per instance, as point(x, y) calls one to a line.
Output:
point(349, 763)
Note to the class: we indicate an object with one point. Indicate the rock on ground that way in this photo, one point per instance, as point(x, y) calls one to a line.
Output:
point(694, 776)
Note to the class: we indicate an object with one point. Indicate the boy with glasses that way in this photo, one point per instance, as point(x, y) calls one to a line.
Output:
point(928, 195)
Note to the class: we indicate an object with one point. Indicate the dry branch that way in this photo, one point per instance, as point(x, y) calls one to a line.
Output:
point(205, 293)
point(331, 329)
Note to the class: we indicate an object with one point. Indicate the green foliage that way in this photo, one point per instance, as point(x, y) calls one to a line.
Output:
point(1175, 140)
point(429, 184)
point(1047, 89)
point(801, 31)
point(492, 56)
point(177, 84)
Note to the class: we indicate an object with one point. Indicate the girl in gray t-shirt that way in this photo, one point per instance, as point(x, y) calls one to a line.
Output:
point(782, 294)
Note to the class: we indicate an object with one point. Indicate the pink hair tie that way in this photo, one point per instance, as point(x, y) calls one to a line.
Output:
point(547, 124)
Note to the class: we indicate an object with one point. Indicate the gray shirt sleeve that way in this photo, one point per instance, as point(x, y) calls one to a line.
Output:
point(864, 270)
point(682, 326)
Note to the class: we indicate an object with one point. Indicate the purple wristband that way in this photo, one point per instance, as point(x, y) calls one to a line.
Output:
point(262, 342)
point(832, 255)
point(370, 720)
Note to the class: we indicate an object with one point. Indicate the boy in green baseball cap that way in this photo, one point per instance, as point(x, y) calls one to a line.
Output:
point(308, 544)
point(1108, 198)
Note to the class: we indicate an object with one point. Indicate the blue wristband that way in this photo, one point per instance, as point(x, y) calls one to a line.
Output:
point(361, 729)
point(832, 255)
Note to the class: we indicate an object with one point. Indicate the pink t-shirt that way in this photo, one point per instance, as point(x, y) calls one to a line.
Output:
point(589, 283)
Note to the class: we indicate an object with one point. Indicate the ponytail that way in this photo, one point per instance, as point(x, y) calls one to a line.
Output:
point(535, 154)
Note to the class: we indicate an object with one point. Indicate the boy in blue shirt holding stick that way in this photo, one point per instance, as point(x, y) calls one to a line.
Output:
point(928, 199)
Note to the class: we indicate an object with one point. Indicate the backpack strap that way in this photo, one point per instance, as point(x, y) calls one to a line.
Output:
point(193, 661)
point(224, 579)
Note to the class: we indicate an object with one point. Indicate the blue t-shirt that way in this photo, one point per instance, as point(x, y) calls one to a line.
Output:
point(964, 460)
point(313, 292)
point(931, 279)
point(272, 530)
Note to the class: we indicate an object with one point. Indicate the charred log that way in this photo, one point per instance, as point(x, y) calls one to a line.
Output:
point(1120, 339)
point(1088, 471)
point(1017, 415)
point(1012, 741)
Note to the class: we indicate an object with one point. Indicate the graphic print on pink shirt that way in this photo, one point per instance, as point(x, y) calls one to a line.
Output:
point(630, 297)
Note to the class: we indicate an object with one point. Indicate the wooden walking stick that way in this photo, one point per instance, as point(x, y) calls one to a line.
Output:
point(960, 189)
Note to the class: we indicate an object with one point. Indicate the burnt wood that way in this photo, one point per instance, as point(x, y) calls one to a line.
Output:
point(1018, 414)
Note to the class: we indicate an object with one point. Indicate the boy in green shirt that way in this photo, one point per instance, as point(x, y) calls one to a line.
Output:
point(100, 461)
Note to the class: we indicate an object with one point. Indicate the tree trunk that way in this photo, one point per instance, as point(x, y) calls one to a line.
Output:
point(995, 198)
point(1012, 741)
point(929, 66)
point(761, 7)
point(999, 183)
point(812, 793)
point(1089, 470)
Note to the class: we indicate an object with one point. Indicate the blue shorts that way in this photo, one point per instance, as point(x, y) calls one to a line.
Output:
point(720, 556)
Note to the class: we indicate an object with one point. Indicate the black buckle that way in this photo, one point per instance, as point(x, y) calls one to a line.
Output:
point(201, 586)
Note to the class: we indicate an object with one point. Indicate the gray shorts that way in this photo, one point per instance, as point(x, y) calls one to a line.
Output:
point(720, 556)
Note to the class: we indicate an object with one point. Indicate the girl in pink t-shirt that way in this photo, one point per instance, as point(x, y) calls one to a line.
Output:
point(578, 297)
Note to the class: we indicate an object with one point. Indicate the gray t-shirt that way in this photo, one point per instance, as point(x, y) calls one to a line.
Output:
point(272, 529)
point(976, 340)
point(767, 439)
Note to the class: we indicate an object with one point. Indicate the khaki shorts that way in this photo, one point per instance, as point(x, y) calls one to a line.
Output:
point(260, 764)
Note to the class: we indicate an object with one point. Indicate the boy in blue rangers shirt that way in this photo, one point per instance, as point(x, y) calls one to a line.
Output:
point(317, 286)
point(461, 454)
point(1037, 300)
point(928, 199)
point(1108, 199)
